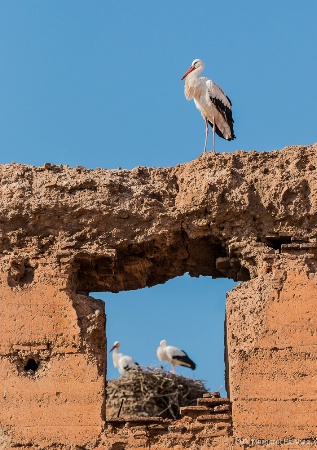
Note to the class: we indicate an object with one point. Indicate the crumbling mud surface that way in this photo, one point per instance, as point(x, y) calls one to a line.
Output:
point(119, 230)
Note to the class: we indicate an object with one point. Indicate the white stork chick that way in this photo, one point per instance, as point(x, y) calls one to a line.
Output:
point(174, 355)
point(122, 362)
point(211, 101)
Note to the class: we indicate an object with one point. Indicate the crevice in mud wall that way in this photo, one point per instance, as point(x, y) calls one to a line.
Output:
point(92, 323)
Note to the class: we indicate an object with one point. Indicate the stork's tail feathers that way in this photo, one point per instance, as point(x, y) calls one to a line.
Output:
point(232, 137)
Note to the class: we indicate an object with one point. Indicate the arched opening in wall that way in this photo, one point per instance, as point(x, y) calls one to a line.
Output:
point(188, 312)
point(137, 270)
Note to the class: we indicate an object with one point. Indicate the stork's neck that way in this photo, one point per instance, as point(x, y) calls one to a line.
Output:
point(115, 357)
point(192, 84)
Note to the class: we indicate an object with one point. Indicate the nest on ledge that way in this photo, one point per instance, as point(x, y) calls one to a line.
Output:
point(151, 392)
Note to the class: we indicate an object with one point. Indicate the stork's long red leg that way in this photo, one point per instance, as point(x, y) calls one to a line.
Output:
point(207, 131)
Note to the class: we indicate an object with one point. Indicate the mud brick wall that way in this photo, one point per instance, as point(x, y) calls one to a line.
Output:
point(66, 232)
point(272, 352)
point(61, 400)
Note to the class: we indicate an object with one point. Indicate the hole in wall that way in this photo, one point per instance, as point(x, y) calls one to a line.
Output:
point(31, 365)
point(276, 242)
point(31, 359)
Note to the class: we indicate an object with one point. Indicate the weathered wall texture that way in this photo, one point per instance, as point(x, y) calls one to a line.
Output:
point(61, 400)
point(272, 351)
point(67, 232)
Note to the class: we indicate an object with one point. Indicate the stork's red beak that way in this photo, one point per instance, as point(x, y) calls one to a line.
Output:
point(188, 71)
point(112, 348)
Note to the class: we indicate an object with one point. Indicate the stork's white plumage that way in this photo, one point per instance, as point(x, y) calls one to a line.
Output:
point(174, 355)
point(122, 362)
point(212, 102)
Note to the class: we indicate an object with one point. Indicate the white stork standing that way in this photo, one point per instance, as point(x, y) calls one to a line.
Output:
point(122, 362)
point(212, 102)
point(174, 355)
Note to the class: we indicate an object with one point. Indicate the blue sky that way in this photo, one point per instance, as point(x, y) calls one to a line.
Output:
point(97, 83)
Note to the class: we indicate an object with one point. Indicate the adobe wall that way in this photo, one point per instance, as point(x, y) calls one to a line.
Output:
point(272, 351)
point(62, 399)
point(66, 232)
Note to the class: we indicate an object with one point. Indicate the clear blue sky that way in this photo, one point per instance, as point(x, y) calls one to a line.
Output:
point(97, 83)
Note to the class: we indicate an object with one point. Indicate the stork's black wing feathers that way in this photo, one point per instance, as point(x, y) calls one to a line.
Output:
point(185, 360)
point(226, 113)
point(127, 367)
point(223, 104)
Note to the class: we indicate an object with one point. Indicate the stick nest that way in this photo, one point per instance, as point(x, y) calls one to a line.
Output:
point(151, 392)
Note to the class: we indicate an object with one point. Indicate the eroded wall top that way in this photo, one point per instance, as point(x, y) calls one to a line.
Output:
point(119, 229)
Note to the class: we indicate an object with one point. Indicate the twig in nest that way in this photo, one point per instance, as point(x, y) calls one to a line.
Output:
point(118, 415)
